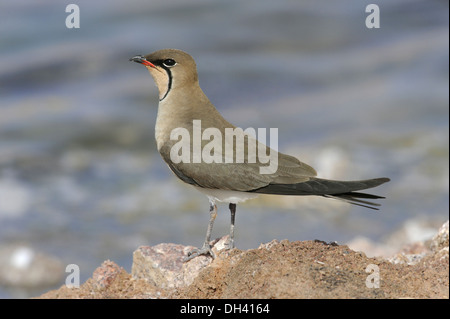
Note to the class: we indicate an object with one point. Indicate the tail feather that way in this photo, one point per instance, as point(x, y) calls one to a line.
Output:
point(353, 198)
point(342, 190)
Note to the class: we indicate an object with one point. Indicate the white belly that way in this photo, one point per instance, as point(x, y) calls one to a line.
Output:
point(226, 196)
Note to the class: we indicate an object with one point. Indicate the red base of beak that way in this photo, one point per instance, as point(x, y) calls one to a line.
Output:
point(140, 59)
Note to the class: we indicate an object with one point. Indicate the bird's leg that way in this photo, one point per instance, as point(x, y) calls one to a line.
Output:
point(206, 248)
point(230, 242)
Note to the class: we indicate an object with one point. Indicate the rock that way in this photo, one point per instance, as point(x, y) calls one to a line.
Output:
point(163, 266)
point(435, 249)
point(269, 244)
point(407, 245)
point(278, 269)
point(439, 244)
point(313, 269)
point(440, 240)
point(104, 275)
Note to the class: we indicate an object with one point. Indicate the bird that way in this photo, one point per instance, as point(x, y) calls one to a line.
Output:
point(226, 178)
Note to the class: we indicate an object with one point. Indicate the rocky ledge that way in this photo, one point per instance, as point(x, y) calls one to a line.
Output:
point(279, 269)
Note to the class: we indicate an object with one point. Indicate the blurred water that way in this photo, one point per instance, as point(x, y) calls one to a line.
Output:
point(80, 177)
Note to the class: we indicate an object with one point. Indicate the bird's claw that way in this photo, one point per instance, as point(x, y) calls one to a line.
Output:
point(229, 244)
point(205, 250)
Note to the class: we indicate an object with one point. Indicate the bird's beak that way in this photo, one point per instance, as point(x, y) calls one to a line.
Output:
point(142, 60)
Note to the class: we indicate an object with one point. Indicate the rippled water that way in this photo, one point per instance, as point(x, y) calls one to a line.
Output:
point(80, 178)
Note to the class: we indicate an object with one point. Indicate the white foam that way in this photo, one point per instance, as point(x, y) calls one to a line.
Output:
point(22, 257)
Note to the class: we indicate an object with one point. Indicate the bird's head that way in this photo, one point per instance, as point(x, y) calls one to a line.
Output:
point(170, 68)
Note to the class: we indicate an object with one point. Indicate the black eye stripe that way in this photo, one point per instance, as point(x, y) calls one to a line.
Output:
point(165, 64)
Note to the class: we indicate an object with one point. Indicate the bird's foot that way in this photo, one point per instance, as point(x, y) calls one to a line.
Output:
point(205, 250)
point(229, 244)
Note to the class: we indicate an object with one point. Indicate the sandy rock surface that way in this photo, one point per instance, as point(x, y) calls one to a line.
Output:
point(309, 269)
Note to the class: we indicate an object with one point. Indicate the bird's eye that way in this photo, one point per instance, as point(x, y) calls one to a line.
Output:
point(169, 62)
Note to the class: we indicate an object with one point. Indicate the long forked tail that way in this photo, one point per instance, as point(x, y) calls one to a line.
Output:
point(342, 190)
point(354, 198)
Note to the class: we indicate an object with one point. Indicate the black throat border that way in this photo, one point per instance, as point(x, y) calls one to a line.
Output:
point(169, 74)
